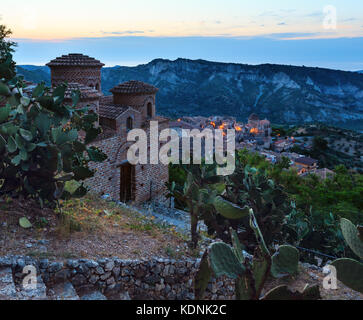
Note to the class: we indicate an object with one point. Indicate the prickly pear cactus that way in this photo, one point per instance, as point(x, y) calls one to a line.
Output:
point(352, 237)
point(224, 261)
point(230, 210)
point(285, 261)
point(350, 272)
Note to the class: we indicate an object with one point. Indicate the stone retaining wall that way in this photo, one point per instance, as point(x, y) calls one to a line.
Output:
point(157, 279)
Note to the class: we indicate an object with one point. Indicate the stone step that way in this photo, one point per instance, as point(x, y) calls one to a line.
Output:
point(26, 292)
point(63, 291)
point(7, 285)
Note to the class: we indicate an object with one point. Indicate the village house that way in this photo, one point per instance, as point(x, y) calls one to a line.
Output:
point(305, 164)
point(132, 105)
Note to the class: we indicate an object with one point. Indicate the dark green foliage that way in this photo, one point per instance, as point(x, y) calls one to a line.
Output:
point(312, 207)
point(325, 148)
point(224, 202)
point(319, 144)
point(251, 187)
point(41, 152)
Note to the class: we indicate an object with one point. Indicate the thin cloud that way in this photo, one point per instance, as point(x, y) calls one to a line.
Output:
point(293, 35)
point(123, 32)
point(282, 24)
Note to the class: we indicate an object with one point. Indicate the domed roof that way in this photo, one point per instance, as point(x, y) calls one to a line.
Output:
point(134, 87)
point(85, 92)
point(253, 117)
point(75, 59)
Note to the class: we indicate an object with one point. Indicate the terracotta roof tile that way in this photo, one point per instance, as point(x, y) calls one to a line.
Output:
point(75, 59)
point(134, 87)
point(111, 111)
point(106, 100)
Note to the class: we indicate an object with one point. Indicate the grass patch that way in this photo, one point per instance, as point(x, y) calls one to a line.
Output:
point(91, 214)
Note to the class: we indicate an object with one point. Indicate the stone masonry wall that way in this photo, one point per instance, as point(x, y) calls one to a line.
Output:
point(149, 180)
point(88, 76)
point(158, 279)
point(138, 102)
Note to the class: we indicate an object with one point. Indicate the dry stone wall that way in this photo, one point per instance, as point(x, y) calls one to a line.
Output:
point(156, 279)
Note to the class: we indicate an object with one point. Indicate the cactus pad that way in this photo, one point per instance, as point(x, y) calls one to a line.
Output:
point(230, 210)
point(224, 261)
point(351, 236)
point(203, 276)
point(285, 261)
point(350, 272)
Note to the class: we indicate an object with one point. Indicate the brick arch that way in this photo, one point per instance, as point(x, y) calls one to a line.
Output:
point(120, 151)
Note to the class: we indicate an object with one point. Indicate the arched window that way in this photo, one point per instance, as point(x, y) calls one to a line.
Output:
point(129, 123)
point(98, 87)
point(149, 110)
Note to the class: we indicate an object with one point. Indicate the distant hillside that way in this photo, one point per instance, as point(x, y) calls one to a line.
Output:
point(34, 73)
point(343, 146)
point(284, 94)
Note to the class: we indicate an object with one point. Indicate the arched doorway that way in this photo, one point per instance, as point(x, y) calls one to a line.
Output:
point(127, 177)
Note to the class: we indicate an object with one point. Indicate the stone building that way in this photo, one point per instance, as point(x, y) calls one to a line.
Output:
point(132, 105)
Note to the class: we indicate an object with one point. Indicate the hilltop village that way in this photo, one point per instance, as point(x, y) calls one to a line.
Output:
point(256, 136)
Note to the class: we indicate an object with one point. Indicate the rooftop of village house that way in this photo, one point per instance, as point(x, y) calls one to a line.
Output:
point(75, 59)
point(134, 87)
point(306, 160)
point(112, 111)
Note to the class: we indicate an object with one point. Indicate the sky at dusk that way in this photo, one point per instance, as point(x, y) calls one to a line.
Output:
point(311, 32)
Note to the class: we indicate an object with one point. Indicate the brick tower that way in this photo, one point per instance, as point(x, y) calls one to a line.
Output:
point(76, 68)
point(138, 95)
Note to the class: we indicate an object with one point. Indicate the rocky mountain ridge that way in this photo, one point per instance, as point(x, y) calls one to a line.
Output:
point(284, 94)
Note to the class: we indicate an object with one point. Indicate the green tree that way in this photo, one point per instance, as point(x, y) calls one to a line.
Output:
point(6, 46)
point(320, 144)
